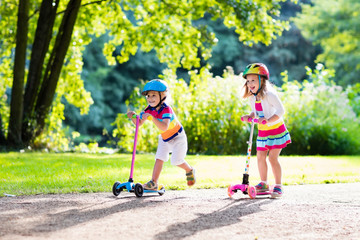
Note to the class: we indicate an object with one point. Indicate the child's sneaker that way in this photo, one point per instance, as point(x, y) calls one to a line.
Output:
point(150, 185)
point(190, 177)
point(277, 192)
point(262, 187)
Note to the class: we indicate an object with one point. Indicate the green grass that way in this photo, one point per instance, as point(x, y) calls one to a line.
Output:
point(35, 173)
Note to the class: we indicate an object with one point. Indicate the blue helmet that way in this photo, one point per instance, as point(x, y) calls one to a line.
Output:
point(155, 85)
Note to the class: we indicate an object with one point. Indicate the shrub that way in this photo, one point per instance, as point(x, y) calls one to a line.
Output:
point(318, 115)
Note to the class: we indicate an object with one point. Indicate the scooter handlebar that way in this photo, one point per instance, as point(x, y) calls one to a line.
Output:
point(255, 120)
point(140, 117)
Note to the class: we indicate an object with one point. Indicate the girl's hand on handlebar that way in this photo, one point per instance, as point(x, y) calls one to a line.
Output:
point(130, 114)
point(245, 118)
point(263, 120)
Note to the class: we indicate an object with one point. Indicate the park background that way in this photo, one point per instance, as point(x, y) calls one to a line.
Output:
point(70, 70)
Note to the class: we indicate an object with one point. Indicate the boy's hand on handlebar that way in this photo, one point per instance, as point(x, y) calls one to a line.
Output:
point(130, 114)
point(146, 116)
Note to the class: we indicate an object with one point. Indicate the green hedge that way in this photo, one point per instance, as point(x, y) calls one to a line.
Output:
point(318, 115)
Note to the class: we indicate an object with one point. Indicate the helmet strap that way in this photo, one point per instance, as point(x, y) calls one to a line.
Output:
point(255, 94)
point(161, 100)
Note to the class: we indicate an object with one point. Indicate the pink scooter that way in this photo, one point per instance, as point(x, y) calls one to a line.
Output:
point(129, 186)
point(245, 187)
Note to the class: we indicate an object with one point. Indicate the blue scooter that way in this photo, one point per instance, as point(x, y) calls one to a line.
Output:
point(129, 186)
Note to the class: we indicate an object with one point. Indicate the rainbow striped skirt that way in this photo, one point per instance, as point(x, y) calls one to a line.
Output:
point(271, 137)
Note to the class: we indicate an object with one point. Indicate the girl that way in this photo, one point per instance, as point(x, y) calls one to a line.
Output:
point(172, 138)
point(273, 135)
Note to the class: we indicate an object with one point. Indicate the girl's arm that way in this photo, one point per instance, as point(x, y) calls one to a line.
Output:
point(275, 101)
point(271, 119)
point(246, 117)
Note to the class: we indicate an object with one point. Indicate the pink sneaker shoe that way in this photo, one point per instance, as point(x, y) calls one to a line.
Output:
point(262, 187)
point(277, 192)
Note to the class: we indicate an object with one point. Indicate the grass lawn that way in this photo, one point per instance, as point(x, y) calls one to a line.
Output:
point(35, 173)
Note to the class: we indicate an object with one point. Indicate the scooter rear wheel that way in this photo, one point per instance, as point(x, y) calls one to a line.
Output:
point(161, 187)
point(139, 190)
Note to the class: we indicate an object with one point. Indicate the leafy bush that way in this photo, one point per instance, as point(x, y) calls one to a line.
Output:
point(209, 110)
point(318, 115)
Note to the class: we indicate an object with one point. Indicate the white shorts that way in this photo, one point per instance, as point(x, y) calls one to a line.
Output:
point(178, 146)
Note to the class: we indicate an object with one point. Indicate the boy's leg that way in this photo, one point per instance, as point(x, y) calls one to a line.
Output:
point(185, 166)
point(190, 173)
point(162, 155)
point(275, 165)
point(157, 170)
point(153, 183)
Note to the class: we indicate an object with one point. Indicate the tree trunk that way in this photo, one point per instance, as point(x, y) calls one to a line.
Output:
point(39, 49)
point(16, 105)
point(53, 69)
point(2, 135)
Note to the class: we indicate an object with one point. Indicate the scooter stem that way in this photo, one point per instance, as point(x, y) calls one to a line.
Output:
point(248, 154)
point(134, 149)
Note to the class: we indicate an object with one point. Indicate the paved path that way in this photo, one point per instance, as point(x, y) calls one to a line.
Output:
point(305, 212)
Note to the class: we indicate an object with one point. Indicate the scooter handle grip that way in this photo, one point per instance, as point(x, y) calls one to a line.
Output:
point(255, 120)
point(148, 118)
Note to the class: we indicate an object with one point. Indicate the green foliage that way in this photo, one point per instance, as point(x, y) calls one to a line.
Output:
point(290, 50)
point(161, 26)
point(335, 26)
point(110, 86)
point(318, 115)
point(354, 97)
point(209, 110)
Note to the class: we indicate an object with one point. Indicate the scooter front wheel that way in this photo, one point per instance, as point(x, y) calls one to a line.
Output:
point(139, 190)
point(230, 191)
point(252, 192)
point(116, 190)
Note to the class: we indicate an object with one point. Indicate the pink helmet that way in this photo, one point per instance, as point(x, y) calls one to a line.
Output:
point(258, 69)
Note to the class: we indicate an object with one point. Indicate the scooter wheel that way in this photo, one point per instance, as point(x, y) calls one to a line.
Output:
point(116, 190)
point(252, 192)
point(139, 190)
point(162, 189)
point(230, 192)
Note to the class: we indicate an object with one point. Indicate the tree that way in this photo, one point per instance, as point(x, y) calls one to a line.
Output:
point(288, 52)
point(335, 26)
point(57, 32)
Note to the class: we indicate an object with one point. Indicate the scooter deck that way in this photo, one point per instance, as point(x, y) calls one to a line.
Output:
point(264, 193)
point(161, 191)
point(129, 187)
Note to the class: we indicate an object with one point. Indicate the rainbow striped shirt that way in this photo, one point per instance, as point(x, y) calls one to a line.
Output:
point(166, 112)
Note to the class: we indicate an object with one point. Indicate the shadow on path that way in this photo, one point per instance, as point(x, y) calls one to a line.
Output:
point(77, 214)
point(225, 216)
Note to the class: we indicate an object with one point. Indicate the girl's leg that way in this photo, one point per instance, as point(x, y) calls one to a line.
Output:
point(275, 165)
point(262, 165)
point(157, 170)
